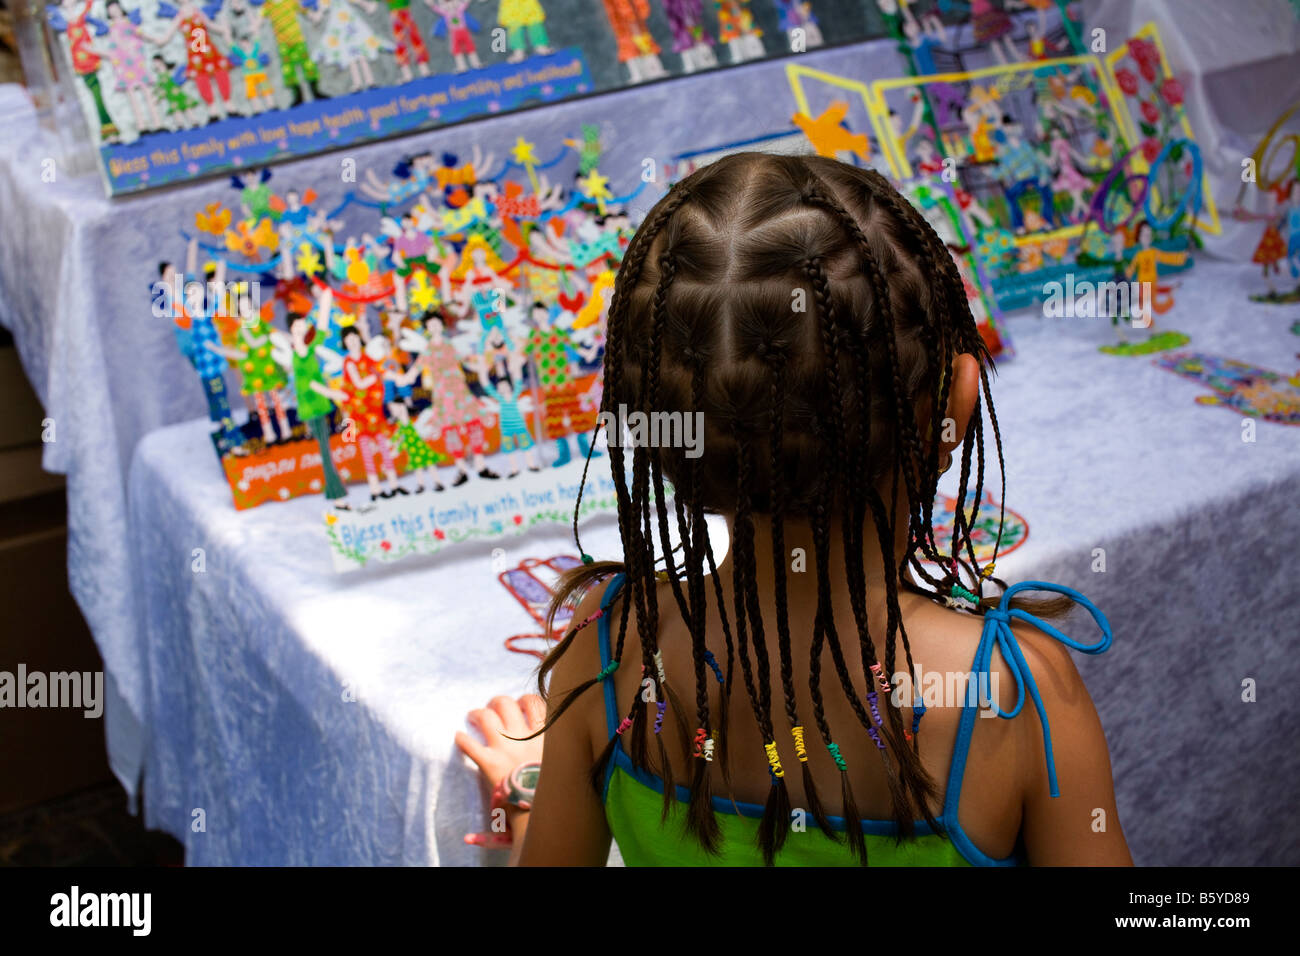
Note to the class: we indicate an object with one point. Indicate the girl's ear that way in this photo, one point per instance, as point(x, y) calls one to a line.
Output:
point(962, 396)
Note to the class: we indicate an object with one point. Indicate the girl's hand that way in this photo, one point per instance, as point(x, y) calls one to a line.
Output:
point(504, 716)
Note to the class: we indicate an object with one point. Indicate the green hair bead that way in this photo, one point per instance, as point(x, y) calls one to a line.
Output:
point(607, 670)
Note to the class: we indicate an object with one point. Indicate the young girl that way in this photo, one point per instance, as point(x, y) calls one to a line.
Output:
point(747, 703)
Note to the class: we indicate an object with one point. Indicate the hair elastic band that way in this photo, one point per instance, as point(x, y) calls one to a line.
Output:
point(774, 759)
point(799, 749)
point(880, 679)
point(835, 755)
point(661, 706)
point(627, 722)
point(607, 670)
point(713, 663)
point(659, 666)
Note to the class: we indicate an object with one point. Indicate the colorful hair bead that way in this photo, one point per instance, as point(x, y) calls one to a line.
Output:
point(700, 737)
point(876, 737)
point(659, 666)
point(661, 707)
point(586, 558)
point(958, 591)
point(708, 750)
point(988, 569)
point(713, 663)
point(835, 755)
point(800, 750)
point(607, 670)
point(774, 759)
point(627, 722)
point(918, 711)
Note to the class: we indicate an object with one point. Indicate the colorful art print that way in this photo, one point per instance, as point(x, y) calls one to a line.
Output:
point(172, 90)
point(937, 201)
point(1156, 121)
point(1025, 144)
point(1245, 389)
point(458, 340)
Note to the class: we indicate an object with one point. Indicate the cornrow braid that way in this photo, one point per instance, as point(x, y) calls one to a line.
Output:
point(777, 363)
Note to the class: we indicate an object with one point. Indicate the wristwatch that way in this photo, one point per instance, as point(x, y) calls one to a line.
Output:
point(519, 787)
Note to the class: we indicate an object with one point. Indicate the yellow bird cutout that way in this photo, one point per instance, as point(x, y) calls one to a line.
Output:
point(213, 220)
point(829, 136)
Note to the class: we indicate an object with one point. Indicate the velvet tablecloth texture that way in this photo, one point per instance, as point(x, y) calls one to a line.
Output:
point(249, 659)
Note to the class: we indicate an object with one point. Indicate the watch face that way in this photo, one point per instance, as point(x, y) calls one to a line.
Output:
point(525, 778)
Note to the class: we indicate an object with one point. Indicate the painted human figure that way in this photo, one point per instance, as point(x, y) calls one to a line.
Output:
point(348, 42)
point(1291, 226)
point(1145, 269)
point(924, 36)
point(993, 28)
point(246, 53)
point(516, 439)
point(636, 48)
point(421, 458)
point(201, 344)
point(297, 68)
point(737, 29)
point(315, 398)
point(457, 25)
point(363, 389)
point(182, 110)
point(453, 409)
point(123, 47)
point(691, 38)
point(1022, 168)
point(525, 24)
point(206, 65)
point(409, 46)
point(552, 353)
point(797, 15)
point(1068, 178)
point(261, 377)
point(72, 17)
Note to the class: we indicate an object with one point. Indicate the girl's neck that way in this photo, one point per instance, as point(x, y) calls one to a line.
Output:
point(800, 556)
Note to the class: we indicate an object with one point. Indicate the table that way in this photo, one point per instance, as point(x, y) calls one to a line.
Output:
point(247, 661)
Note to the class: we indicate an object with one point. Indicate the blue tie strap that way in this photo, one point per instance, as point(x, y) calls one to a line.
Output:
point(997, 630)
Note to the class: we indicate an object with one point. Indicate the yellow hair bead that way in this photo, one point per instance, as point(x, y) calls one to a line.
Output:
point(774, 759)
point(988, 569)
point(800, 750)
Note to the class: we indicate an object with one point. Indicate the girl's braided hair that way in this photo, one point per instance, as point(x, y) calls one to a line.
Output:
point(810, 313)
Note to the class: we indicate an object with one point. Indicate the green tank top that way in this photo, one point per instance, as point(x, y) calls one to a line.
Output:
point(633, 797)
point(311, 403)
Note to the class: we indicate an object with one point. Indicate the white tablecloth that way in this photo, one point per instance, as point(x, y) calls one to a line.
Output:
point(249, 659)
